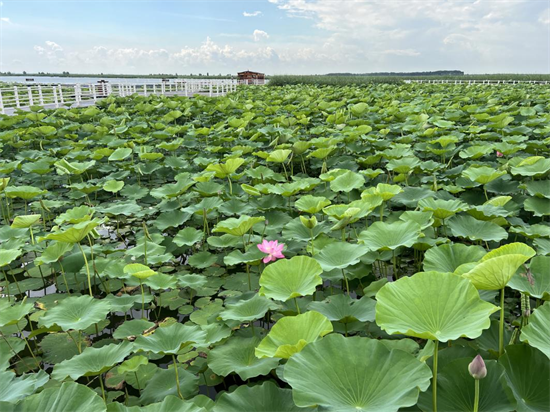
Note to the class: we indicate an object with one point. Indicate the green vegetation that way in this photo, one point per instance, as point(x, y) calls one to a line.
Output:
point(380, 247)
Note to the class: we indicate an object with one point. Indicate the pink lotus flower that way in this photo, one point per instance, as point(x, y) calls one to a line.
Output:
point(499, 154)
point(273, 248)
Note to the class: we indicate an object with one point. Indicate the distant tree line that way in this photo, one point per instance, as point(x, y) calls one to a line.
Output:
point(404, 74)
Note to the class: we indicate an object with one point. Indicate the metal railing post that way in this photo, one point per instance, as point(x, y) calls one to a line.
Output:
point(16, 96)
point(1, 103)
point(54, 89)
point(31, 101)
point(40, 96)
point(61, 98)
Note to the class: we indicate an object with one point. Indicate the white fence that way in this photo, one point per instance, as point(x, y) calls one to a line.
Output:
point(478, 81)
point(57, 95)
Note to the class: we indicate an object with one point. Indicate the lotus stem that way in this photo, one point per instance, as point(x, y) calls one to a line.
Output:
point(312, 245)
point(28, 345)
point(249, 279)
point(476, 396)
point(142, 299)
point(177, 376)
point(434, 378)
point(231, 186)
point(501, 325)
point(102, 388)
point(87, 269)
point(346, 281)
point(382, 212)
point(297, 307)
point(137, 381)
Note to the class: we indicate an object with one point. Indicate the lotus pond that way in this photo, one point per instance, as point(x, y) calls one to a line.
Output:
point(296, 248)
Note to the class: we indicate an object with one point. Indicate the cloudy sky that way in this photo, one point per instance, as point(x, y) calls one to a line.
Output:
point(274, 36)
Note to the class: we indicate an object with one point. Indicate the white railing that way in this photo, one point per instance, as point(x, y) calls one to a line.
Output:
point(436, 81)
point(57, 95)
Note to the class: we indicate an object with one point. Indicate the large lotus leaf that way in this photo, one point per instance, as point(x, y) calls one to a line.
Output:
point(170, 339)
point(532, 166)
point(536, 282)
point(290, 278)
point(291, 333)
point(528, 375)
point(69, 397)
point(340, 255)
point(482, 174)
point(266, 397)
point(442, 209)
point(139, 271)
point(25, 221)
point(498, 266)
point(13, 389)
point(537, 205)
point(389, 236)
point(247, 310)
point(113, 186)
point(23, 192)
point(374, 379)
point(538, 188)
point(76, 312)
point(278, 156)
point(163, 384)
point(53, 252)
point(385, 191)
point(58, 347)
point(237, 355)
point(8, 255)
point(448, 257)
point(432, 305)
point(237, 227)
point(120, 154)
point(347, 181)
point(468, 227)
point(223, 170)
point(92, 361)
point(344, 309)
point(11, 315)
point(73, 234)
point(63, 167)
point(188, 236)
point(132, 327)
point(173, 190)
point(456, 392)
point(537, 332)
point(311, 204)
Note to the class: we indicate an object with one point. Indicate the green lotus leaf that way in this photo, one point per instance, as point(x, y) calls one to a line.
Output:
point(237, 355)
point(139, 271)
point(432, 305)
point(340, 255)
point(290, 278)
point(292, 333)
point(536, 333)
point(58, 347)
point(390, 236)
point(170, 403)
point(448, 257)
point(11, 315)
point(171, 339)
point(222, 170)
point(468, 227)
point(278, 156)
point(482, 174)
point(69, 397)
point(347, 182)
point(92, 361)
point(383, 190)
point(120, 154)
point(132, 364)
point(404, 165)
point(75, 215)
point(73, 234)
point(13, 389)
point(76, 312)
point(538, 188)
point(528, 375)
point(316, 375)
point(132, 328)
point(173, 190)
point(23, 192)
point(113, 186)
point(534, 166)
point(163, 384)
point(63, 167)
point(237, 227)
point(8, 255)
point(311, 204)
point(423, 219)
point(497, 267)
point(266, 397)
point(455, 389)
point(537, 205)
point(247, 310)
point(442, 209)
point(188, 237)
point(124, 303)
point(236, 257)
point(25, 221)
point(536, 282)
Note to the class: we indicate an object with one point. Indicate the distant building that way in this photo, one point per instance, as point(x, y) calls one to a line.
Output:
point(248, 77)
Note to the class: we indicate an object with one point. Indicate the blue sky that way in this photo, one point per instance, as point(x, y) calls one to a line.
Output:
point(275, 36)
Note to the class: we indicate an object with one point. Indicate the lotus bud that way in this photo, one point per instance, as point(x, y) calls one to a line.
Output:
point(499, 154)
point(309, 223)
point(477, 368)
point(526, 313)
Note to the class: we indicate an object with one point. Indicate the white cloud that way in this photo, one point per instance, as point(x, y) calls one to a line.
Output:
point(5, 20)
point(252, 14)
point(545, 17)
point(405, 52)
point(259, 35)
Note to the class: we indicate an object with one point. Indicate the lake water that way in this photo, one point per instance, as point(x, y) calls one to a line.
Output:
point(74, 80)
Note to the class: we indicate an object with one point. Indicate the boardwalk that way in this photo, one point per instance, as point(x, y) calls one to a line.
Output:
point(21, 97)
